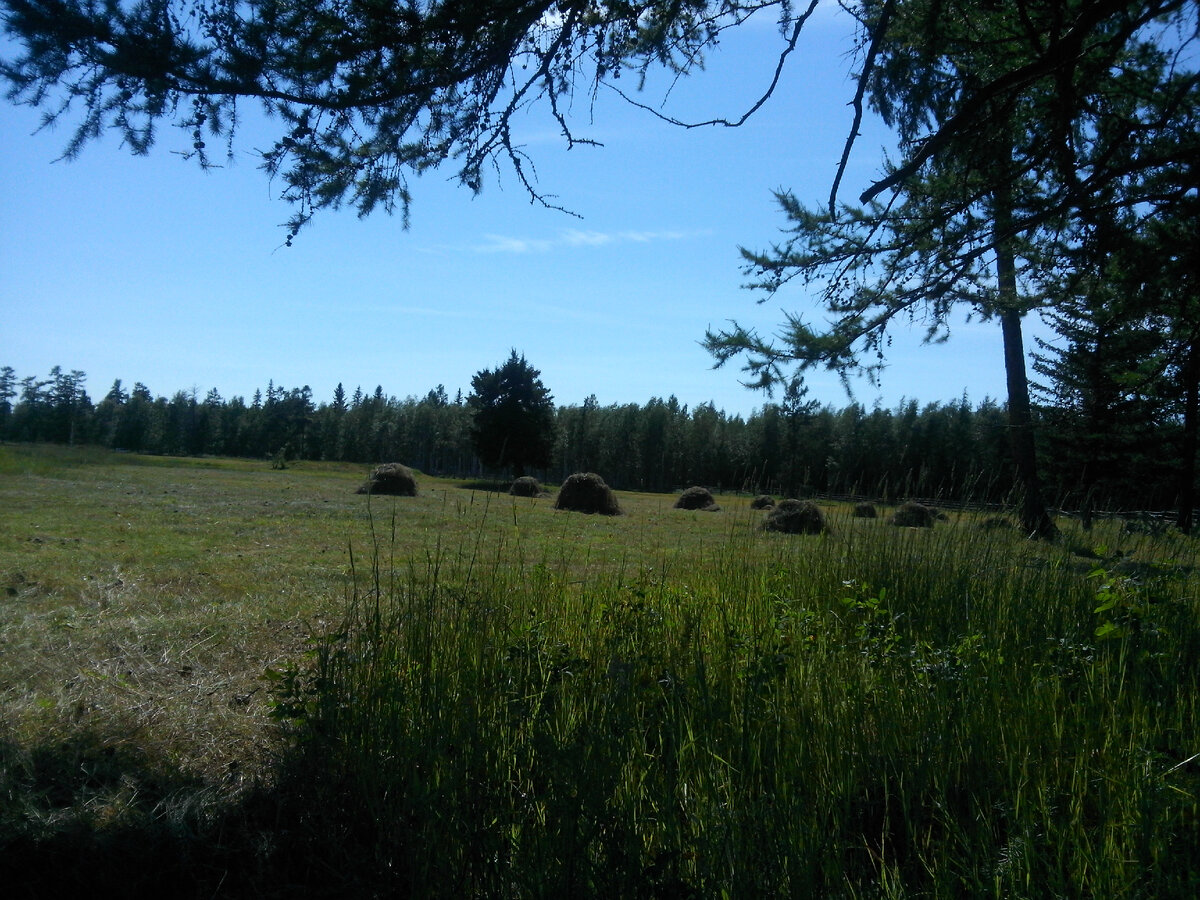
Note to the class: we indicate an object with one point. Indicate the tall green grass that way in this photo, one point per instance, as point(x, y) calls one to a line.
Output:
point(518, 702)
point(876, 712)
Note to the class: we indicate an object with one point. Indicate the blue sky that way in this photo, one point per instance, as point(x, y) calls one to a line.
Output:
point(147, 269)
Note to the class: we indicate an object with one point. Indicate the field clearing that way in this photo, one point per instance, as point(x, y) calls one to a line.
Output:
point(665, 703)
point(145, 596)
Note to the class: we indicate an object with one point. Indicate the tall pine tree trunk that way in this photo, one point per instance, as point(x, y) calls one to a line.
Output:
point(1191, 425)
point(1034, 518)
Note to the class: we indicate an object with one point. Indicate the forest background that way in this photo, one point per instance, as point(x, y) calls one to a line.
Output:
point(954, 451)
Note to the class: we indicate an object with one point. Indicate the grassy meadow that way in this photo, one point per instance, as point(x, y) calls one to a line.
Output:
point(223, 680)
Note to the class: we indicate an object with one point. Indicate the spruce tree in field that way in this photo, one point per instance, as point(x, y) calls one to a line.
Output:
point(1164, 279)
point(513, 420)
point(1102, 388)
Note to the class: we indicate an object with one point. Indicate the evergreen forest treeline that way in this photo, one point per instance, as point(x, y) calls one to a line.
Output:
point(952, 451)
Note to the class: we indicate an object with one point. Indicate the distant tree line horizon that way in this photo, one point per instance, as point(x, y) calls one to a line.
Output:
point(952, 451)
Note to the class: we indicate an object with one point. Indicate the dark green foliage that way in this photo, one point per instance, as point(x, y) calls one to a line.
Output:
point(796, 517)
point(697, 498)
point(526, 486)
point(513, 423)
point(982, 210)
point(914, 515)
point(1127, 357)
point(586, 492)
point(390, 478)
point(1105, 397)
point(8, 390)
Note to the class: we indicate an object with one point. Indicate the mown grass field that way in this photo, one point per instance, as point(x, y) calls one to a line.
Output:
point(219, 679)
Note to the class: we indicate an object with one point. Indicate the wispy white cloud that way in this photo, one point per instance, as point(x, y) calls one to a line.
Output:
point(575, 238)
point(646, 237)
point(496, 243)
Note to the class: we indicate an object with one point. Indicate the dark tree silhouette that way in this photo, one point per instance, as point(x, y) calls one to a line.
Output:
point(513, 424)
point(1006, 161)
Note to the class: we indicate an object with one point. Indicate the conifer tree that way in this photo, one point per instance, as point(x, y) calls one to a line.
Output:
point(513, 423)
point(8, 390)
point(1005, 160)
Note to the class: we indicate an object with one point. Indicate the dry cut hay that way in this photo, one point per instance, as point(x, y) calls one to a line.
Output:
point(865, 511)
point(762, 501)
point(390, 478)
point(697, 498)
point(796, 517)
point(914, 515)
point(586, 492)
point(526, 486)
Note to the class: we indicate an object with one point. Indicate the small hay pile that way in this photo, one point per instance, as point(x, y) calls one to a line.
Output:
point(526, 486)
point(914, 515)
point(762, 501)
point(586, 492)
point(796, 517)
point(390, 478)
point(865, 511)
point(697, 498)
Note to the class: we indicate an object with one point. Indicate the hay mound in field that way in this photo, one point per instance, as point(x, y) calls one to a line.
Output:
point(697, 498)
point(762, 501)
point(914, 515)
point(586, 492)
point(390, 478)
point(796, 517)
point(865, 511)
point(526, 486)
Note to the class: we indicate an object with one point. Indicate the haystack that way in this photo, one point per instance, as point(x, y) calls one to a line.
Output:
point(586, 492)
point(390, 478)
point(914, 515)
point(796, 517)
point(865, 511)
point(697, 498)
point(526, 486)
point(762, 501)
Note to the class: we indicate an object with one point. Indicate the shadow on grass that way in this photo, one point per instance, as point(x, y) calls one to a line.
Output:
point(84, 818)
point(495, 486)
